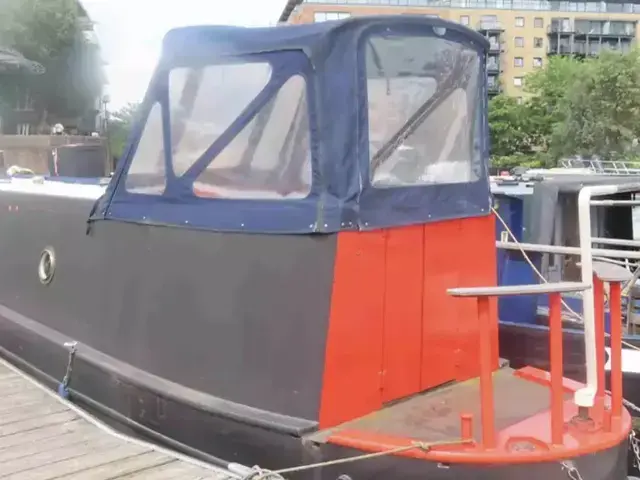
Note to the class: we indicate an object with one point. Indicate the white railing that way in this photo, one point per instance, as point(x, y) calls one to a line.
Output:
point(604, 167)
point(585, 397)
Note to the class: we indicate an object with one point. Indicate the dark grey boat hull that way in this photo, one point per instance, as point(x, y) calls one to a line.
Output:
point(225, 378)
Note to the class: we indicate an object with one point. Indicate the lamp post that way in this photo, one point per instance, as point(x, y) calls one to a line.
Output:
point(105, 111)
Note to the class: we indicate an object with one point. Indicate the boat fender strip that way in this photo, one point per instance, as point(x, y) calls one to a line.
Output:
point(63, 387)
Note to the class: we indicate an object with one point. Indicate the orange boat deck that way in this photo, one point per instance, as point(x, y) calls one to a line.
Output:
point(522, 422)
point(434, 416)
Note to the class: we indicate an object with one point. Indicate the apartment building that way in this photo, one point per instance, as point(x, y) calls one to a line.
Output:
point(522, 33)
point(25, 119)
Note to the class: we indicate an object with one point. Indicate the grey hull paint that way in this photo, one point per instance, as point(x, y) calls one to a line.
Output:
point(165, 337)
point(236, 317)
point(235, 441)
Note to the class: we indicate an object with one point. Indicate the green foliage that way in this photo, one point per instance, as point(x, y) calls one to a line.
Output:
point(120, 125)
point(602, 109)
point(587, 107)
point(548, 88)
point(51, 32)
point(40, 29)
point(508, 126)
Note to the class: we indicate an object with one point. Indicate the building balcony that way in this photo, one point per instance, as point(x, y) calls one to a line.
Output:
point(494, 89)
point(489, 26)
point(493, 67)
point(583, 50)
point(564, 30)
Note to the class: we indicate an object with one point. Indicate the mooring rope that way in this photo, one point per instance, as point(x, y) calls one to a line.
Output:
point(264, 474)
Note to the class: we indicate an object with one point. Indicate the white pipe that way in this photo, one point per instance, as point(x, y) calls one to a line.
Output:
point(615, 203)
point(534, 247)
point(616, 241)
point(585, 396)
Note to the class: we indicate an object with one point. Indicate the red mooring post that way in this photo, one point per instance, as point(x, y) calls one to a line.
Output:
point(466, 426)
point(486, 375)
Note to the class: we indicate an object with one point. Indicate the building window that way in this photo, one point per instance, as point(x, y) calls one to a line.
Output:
point(517, 81)
point(465, 20)
point(488, 22)
point(537, 62)
point(519, 100)
point(24, 100)
point(325, 16)
point(538, 22)
point(538, 42)
point(519, 41)
point(518, 62)
point(519, 21)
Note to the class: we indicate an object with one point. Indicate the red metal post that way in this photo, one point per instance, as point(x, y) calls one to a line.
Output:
point(615, 307)
point(466, 426)
point(555, 354)
point(598, 304)
point(486, 375)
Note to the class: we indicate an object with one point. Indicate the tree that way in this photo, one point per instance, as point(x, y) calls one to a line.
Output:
point(40, 29)
point(548, 88)
point(512, 132)
point(602, 109)
point(588, 107)
point(521, 133)
point(120, 124)
point(51, 32)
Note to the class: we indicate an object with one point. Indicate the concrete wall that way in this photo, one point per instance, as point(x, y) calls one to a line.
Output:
point(31, 151)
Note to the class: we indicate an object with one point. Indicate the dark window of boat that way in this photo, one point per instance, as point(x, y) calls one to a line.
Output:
point(270, 158)
point(203, 102)
point(147, 170)
point(431, 83)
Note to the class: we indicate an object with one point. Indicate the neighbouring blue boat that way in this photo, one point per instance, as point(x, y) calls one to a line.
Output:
point(543, 209)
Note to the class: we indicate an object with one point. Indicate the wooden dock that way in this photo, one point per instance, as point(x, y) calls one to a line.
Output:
point(43, 437)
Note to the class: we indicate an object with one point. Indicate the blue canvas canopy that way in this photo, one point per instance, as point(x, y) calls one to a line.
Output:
point(362, 123)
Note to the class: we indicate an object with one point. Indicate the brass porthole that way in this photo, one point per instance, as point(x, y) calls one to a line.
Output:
point(47, 266)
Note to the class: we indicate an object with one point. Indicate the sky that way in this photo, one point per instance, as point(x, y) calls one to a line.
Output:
point(130, 33)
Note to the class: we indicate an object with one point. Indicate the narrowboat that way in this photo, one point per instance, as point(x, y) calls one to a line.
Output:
point(294, 266)
point(542, 209)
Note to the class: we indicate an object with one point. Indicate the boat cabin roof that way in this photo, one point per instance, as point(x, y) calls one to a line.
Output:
point(548, 207)
point(363, 123)
point(310, 37)
point(567, 183)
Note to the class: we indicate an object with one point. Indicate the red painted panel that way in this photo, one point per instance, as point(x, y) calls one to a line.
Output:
point(393, 330)
point(353, 362)
point(441, 312)
point(403, 312)
point(458, 253)
point(477, 264)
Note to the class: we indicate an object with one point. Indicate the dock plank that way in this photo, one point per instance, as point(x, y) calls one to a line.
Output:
point(112, 470)
point(43, 437)
point(39, 434)
point(170, 471)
